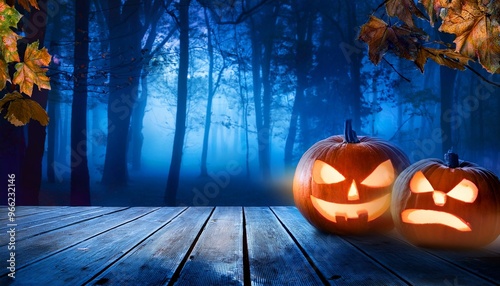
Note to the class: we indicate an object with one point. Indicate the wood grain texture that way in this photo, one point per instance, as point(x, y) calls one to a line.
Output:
point(31, 226)
point(81, 261)
point(155, 260)
point(26, 228)
point(41, 246)
point(217, 258)
point(273, 256)
point(413, 264)
point(24, 211)
point(337, 260)
point(476, 261)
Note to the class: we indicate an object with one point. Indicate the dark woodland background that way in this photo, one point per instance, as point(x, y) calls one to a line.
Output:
point(196, 102)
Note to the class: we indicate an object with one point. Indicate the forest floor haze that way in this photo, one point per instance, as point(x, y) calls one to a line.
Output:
point(148, 190)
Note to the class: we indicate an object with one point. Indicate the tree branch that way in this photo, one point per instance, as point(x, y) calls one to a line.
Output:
point(482, 77)
point(394, 69)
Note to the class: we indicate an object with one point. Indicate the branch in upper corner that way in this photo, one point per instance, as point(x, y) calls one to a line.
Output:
point(482, 77)
point(394, 69)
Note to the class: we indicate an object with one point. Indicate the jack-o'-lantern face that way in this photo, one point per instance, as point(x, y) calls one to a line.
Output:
point(465, 191)
point(324, 174)
point(436, 205)
point(345, 187)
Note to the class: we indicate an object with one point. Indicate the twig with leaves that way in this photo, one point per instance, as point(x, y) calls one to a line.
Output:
point(16, 105)
point(475, 23)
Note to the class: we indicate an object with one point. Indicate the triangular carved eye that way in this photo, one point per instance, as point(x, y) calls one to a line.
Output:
point(465, 191)
point(420, 184)
point(382, 176)
point(325, 174)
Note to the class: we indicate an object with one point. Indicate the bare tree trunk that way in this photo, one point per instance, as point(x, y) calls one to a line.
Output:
point(303, 59)
point(80, 179)
point(124, 26)
point(12, 148)
point(53, 112)
point(355, 67)
point(257, 84)
point(137, 139)
point(262, 38)
point(447, 84)
point(54, 104)
point(208, 115)
point(242, 82)
point(31, 167)
point(154, 11)
point(182, 94)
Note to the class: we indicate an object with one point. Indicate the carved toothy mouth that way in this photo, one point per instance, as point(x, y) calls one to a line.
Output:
point(416, 216)
point(372, 209)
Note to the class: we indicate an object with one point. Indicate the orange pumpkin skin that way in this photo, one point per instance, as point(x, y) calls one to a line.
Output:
point(476, 219)
point(355, 162)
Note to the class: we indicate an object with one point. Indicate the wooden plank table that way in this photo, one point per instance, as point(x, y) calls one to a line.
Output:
point(219, 246)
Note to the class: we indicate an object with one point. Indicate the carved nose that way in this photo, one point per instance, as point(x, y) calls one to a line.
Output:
point(439, 198)
point(353, 192)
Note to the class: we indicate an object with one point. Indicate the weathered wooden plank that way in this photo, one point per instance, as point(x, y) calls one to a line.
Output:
point(483, 263)
point(79, 263)
point(31, 220)
point(155, 260)
point(26, 229)
point(273, 256)
point(38, 247)
point(478, 261)
point(25, 211)
point(217, 258)
point(413, 264)
point(338, 261)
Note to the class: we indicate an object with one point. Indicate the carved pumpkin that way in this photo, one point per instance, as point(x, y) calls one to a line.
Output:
point(343, 184)
point(452, 205)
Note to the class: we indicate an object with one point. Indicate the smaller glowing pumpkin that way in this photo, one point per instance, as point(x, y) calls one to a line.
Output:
point(452, 205)
point(343, 184)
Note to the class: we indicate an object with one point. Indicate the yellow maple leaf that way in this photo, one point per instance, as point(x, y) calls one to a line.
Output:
point(8, 46)
point(9, 17)
point(4, 74)
point(476, 27)
point(33, 69)
point(20, 110)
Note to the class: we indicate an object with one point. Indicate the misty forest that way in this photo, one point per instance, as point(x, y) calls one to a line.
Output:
point(199, 102)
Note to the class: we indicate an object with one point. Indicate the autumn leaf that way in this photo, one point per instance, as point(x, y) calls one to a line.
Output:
point(381, 38)
point(8, 46)
point(20, 110)
point(4, 74)
point(446, 57)
point(32, 70)
point(477, 29)
point(475, 23)
point(489, 53)
point(433, 7)
point(404, 10)
point(9, 17)
point(27, 4)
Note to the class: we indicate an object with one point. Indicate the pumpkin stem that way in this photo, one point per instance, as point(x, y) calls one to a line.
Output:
point(451, 159)
point(349, 134)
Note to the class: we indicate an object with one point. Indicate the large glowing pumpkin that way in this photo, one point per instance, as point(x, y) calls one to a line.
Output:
point(448, 205)
point(343, 184)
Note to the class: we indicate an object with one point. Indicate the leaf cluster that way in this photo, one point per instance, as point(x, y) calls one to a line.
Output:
point(475, 24)
point(16, 106)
